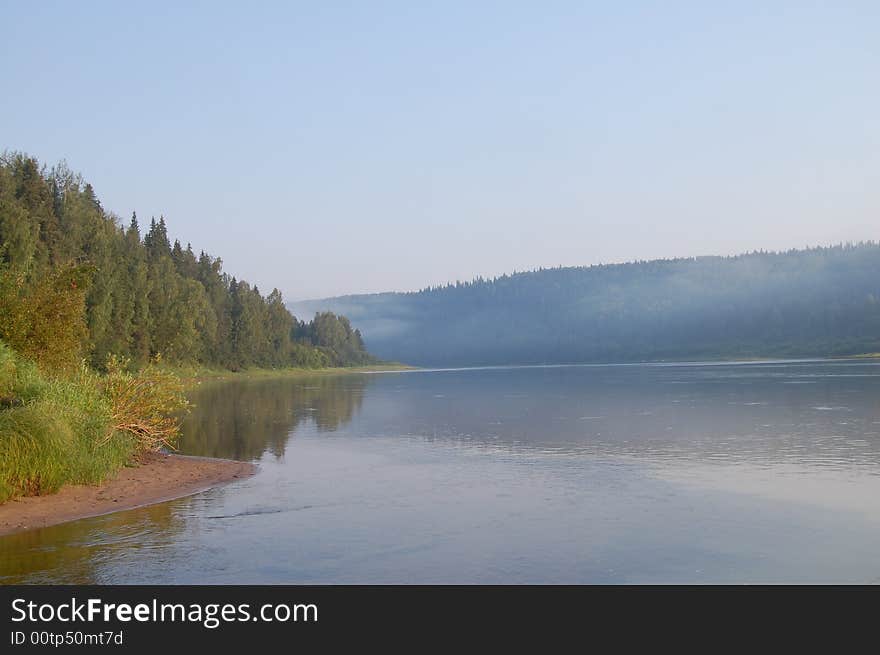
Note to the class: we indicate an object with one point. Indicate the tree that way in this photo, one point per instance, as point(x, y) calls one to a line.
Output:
point(132, 299)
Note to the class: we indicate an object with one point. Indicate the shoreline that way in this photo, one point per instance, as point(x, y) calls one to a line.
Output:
point(157, 478)
point(154, 477)
point(196, 376)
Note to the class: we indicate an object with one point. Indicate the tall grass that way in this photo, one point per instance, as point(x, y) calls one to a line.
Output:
point(144, 405)
point(62, 430)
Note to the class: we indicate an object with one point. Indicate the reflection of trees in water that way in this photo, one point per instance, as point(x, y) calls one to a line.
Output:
point(71, 553)
point(239, 420)
point(243, 419)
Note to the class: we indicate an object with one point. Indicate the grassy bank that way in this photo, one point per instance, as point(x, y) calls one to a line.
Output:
point(194, 375)
point(83, 427)
point(53, 431)
point(78, 428)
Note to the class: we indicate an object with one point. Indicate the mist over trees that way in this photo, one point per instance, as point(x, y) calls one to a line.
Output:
point(800, 303)
point(76, 282)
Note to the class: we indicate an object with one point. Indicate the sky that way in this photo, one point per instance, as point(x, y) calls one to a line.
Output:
point(327, 148)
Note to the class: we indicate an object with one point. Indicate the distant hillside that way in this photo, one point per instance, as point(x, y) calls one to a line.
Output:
point(814, 302)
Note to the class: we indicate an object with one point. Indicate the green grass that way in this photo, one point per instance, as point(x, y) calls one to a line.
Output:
point(53, 431)
point(194, 375)
point(60, 430)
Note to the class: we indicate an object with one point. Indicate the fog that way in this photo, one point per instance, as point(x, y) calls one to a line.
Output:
point(808, 303)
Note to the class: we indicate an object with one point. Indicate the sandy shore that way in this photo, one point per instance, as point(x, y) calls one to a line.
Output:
point(158, 478)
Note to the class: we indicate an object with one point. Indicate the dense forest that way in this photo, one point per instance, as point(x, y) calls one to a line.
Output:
point(813, 302)
point(62, 254)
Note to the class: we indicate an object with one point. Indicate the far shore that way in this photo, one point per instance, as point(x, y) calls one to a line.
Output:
point(156, 478)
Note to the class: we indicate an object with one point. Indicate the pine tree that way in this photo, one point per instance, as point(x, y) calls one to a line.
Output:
point(136, 298)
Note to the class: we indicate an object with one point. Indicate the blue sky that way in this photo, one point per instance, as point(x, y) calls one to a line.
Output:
point(328, 148)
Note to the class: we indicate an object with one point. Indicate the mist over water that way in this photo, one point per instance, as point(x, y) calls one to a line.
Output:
point(817, 302)
point(763, 472)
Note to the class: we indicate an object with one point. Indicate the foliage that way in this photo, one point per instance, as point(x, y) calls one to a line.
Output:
point(76, 282)
point(44, 320)
point(79, 294)
point(146, 405)
point(800, 303)
point(53, 430)
point(335, 339)
point(80, 428)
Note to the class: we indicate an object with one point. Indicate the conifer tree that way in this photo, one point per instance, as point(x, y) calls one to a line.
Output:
point(131, 297)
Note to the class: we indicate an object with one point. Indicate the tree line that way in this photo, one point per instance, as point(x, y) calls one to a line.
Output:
point(77, 282)
point(822, 301)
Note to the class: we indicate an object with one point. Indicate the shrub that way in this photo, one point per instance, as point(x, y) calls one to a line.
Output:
point(145, 405)
point(45, 320)
point(53, 432)
point(81, 428)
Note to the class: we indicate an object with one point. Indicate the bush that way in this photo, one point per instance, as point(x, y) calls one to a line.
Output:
point(53, 432)
point(145, 405)
point(45, 320)
point(82, 428)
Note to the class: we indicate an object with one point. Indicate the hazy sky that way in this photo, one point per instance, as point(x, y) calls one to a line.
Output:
point(328, 148)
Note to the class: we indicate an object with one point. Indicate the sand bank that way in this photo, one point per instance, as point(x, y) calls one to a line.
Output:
point(157, 478)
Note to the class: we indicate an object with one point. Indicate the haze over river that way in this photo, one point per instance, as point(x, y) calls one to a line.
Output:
point(692, 473)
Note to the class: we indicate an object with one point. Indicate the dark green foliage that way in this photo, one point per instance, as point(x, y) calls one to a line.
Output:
point(334, 336)
point(145, 297)
point(801, 303)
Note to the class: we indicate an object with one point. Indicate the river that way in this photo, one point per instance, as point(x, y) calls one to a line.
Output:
point(672, 473)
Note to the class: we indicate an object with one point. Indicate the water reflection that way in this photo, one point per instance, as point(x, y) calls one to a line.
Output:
point(238, 419)
point(242, 419)
point(736, 473)
point(74, 553)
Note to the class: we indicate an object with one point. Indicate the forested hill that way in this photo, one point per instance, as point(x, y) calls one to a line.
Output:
point(75, 281)
point(814, 302)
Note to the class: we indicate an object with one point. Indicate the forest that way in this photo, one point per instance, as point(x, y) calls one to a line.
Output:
point(814, 302)
point(142, 296)
point(95, 321)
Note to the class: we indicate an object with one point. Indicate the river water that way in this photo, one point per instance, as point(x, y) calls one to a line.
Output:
point(681, 473)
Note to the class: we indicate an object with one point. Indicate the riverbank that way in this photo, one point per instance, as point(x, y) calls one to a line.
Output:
point(155, 478)
point(57, 463)
point(196, 375)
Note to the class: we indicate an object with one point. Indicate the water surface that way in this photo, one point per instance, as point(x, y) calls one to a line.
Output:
point(733, 473)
